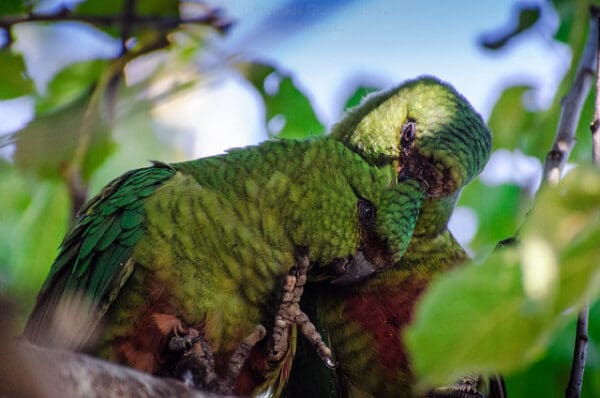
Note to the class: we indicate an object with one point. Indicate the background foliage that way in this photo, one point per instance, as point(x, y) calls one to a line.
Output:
point(91, 124)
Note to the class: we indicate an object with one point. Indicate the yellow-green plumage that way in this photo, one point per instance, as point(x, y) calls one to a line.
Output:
point(209, 241)
point(449, 145)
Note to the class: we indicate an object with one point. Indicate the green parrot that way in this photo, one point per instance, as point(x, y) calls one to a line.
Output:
point(204, 245)
point(363, 324)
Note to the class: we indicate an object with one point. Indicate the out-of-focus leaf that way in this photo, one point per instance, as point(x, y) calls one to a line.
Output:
point(158, 7)
point(566, 10)
point(501, 316)
point(34, 216)
point(548, 377)
point(513, 126)
point(286, 106)
point(14, 81)
point(155, 8)
point(527, 16)
point(510, 122)
point(11, 7)
point(46, 147)
point(498, 210)
point(70, 85)
point(357, 96)
point(105, 7)
point(115, 7)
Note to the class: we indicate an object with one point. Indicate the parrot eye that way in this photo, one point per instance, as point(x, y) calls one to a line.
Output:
point(408, 133)
point(366, 211)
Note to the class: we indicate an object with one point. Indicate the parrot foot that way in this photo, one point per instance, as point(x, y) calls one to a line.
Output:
point(196, 367)
point(178, 343)
point(238, 359)
point(465, 388)
point(289, 313)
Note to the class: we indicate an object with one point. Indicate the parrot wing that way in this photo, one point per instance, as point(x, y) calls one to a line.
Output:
point(94, 260)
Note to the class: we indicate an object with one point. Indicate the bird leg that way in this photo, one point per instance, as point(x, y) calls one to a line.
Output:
point(289, 313)
point(196, 365)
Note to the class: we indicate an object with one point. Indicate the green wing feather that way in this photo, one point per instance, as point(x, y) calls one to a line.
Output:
point(93, 262)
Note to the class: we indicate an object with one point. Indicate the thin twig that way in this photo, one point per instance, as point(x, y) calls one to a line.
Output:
point(579, 353)
point(595, 126)
point(581, 336)
point(212, 18)
point(572, 104)
point(126, 18)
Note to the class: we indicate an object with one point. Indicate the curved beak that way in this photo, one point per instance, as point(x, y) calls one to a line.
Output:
point(352, 270)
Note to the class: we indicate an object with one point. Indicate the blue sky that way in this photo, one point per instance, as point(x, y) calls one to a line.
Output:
point(389, 41)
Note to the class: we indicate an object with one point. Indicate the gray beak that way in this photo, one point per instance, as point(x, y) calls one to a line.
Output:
point(352, 270)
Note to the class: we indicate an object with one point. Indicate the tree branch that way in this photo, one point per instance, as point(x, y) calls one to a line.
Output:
point(570, 113)
point(579, 353)
point(595, 126)
point(213, 18)
point(581, 336)
point(34, 371)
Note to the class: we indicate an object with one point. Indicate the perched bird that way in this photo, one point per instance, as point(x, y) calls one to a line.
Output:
point(427, 122)
point(199, 250)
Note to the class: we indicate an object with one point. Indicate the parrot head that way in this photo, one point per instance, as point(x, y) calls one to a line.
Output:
point(423, 127)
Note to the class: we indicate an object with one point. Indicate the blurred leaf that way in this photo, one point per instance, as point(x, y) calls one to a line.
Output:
point(358, 95)
point(500, 316)
point(104, 7)
point(510, 121)
point(155, 8)
point(69, 85)
point(34, 216)
point(158, 7)
point(115, 7)
point(527, 16)
point(11, 7)
point(548, 376)
point(498, 215)
point(14, 81)
point(46, 147)
point(285, 104)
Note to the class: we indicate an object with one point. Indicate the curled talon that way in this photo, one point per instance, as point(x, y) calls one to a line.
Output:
point(290, 313)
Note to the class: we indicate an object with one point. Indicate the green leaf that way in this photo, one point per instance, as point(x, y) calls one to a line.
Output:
point(11, 7)
point(510, 121)
point(34, 216)
point(154, 8)
point(158, 7)
point(500, 316)
point(527, 16)
point(46, 147)
point(284, 102)
point(566, 13)
point(357, 96)
point(115, 7)
point(498, 215)
point(14, 81)
point(69, 85)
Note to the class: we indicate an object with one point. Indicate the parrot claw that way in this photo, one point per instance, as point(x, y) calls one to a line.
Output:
point(289, 313)
point(184, 343)
point(465, 388)
point(330, 363)
point(196, 366)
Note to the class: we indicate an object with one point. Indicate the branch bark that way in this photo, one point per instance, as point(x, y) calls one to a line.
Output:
point(32, 371)
point(592, 51)
point(212, 18)
point(570, 113)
